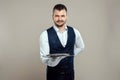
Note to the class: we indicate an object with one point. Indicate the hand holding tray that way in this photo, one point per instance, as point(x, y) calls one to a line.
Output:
point(55, 58)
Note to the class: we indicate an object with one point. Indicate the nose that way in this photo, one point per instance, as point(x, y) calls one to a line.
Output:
point(59, 18)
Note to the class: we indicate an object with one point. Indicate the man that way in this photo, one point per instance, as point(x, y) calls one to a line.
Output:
point(58, 46)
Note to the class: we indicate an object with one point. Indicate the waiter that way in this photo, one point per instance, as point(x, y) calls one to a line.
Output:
point(58, 46)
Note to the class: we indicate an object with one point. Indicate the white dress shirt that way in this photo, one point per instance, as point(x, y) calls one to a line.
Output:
point(45, 50)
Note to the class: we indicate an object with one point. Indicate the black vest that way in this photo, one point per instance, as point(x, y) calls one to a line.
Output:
point(56, 47)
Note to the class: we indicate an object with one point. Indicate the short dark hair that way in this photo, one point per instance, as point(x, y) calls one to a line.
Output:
point(59, 7)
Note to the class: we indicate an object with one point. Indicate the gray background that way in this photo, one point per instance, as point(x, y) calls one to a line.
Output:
point(22, 21)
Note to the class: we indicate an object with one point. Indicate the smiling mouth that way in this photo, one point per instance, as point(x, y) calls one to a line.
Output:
point(59, 21)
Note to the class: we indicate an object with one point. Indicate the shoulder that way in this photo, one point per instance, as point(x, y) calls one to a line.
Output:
point(49, 29)
point(75, 30)
point(43, 34)
point(45, 31)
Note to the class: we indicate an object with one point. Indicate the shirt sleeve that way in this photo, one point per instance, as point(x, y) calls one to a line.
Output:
point(79, 44)
point(44, 46)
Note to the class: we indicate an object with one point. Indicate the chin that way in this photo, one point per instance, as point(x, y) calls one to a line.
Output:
point(60, 25)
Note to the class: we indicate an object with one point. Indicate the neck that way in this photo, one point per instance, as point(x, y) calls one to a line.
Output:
point(62, 28)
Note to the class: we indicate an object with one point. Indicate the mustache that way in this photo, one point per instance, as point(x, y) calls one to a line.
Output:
point(60, 21)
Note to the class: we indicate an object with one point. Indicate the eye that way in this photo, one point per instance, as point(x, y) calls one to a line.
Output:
point(56, 15)
point(63, 16)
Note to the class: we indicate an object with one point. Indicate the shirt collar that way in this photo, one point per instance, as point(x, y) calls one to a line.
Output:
point(57, 29)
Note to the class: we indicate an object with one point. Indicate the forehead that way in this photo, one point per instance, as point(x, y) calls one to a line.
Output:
point(60, 12)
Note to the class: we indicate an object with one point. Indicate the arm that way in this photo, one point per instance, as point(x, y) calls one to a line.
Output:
point(44, 47)
point(45, 52)
point(79, 44)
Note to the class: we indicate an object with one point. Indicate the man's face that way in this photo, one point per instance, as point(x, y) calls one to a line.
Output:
point(59, 17)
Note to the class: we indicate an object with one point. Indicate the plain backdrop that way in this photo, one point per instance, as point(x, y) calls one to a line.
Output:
point(22, 21)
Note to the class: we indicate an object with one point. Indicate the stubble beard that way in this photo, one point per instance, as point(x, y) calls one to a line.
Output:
point(60, 25)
